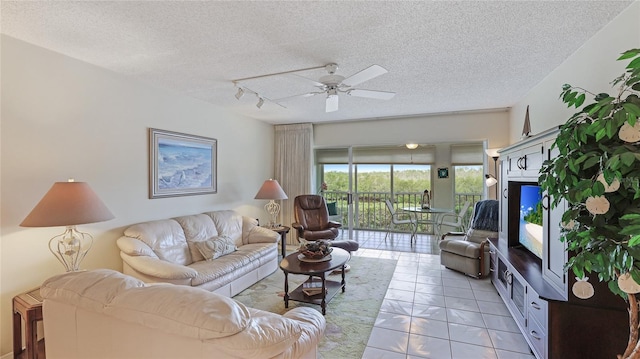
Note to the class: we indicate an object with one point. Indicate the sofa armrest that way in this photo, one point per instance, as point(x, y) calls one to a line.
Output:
point(158, 268)
point(309, 316)
point(262, 235)
point(333, 224)
point(135, 247)
point(312, 325)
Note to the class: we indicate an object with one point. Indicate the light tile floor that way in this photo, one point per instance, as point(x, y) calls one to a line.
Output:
point(433, 312)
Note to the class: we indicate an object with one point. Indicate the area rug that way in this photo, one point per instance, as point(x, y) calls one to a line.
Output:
point(350, 315)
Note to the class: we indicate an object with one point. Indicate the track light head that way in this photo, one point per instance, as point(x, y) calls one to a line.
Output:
point(260, 102)
point(240, 93)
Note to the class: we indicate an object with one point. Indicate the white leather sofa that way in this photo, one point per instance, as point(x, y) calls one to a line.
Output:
point(168, 251)
point(104, 314)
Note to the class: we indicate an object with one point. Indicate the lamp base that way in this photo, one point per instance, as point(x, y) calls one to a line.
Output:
point(70, 247)
point(273, 209)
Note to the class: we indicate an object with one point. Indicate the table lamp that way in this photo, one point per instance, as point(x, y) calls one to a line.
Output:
point(271, 190)
point(68, 204)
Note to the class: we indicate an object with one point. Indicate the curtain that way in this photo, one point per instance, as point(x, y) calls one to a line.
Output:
point(293, 166)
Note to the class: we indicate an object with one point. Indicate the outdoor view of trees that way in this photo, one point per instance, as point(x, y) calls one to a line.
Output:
point(373, 186)
point(468, 179)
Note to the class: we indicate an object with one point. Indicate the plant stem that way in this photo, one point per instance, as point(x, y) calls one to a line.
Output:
point(633, 350)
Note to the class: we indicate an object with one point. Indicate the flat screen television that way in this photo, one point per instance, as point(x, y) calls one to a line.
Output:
point(530, 219)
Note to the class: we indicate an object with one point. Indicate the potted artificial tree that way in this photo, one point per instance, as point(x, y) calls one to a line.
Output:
point(597, 174)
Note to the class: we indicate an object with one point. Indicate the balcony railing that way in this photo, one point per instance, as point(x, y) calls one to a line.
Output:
point(370, 210)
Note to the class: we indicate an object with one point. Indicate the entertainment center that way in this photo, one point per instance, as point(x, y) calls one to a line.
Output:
point(527, 267)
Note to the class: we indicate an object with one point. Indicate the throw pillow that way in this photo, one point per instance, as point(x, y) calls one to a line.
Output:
point(216, 247)
point(332, 208)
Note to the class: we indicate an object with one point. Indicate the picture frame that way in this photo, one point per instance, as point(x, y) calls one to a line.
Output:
point(181, 164)
point(443, 172)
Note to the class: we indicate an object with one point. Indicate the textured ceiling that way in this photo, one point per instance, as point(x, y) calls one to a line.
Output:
point(441, 56)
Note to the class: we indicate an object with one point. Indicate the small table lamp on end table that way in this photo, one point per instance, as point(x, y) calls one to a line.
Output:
point(69, 204)
point(271, 190)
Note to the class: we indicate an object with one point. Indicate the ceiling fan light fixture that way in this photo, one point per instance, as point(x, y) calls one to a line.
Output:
point(260, 102)
point(412, 146)
point(240, 93)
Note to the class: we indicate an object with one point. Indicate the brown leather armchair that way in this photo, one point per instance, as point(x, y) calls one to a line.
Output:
point(312, 218)
point(312, 222)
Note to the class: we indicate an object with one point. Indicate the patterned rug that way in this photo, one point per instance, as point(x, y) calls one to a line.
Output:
point(350, 315)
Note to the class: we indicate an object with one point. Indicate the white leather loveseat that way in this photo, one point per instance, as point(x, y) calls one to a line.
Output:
point(104, 314)
point(172, 251)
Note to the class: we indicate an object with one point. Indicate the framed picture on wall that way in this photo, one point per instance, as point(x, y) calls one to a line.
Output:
point(181, 164)
point(443, 172)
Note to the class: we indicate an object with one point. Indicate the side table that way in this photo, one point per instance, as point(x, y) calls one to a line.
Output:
point(28, 307)
point(282, 230)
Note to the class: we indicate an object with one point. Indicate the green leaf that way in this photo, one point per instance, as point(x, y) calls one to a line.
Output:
point(634, 241)
point(625, 55)
point(579, 100)
point(628, 158)
point(611, 130)
point(633, 64)
point(600, 134)
point(632, 108)
point(614, 162)
point(605, 111)
point(569, 96)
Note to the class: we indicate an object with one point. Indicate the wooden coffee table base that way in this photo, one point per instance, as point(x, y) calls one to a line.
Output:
point(292, 265)
point(331, 288)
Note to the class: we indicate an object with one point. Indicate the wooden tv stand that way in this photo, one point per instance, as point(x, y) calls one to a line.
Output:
point(537, 291)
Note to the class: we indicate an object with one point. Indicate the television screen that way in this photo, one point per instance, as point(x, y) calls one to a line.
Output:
point(530, 231)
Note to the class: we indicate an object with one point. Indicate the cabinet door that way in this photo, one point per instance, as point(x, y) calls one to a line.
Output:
point(530, 160)
point(554, 251)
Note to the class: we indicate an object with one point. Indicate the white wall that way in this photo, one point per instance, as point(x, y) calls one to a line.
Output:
point(64, 118)
point(592, 67)
point(438, 130)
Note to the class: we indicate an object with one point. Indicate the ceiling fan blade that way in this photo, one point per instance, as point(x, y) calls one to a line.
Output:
point(380, 95)
point(364, 75)
point(308, 94)
point(307, 80)
point(332, 103)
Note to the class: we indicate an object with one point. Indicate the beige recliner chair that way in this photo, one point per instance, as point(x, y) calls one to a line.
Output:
point(469, 252)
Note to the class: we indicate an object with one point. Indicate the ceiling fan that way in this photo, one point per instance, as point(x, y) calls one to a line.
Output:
point(333, 84)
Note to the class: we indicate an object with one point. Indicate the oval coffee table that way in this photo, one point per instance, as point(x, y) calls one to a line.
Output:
point(328, 288)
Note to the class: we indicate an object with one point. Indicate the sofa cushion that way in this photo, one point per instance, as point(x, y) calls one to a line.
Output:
point(215, 247)
point(181, 310)
point(197, 228)
point(231, 266)
point(90, 290)
point(166, 239)
point(229, 224)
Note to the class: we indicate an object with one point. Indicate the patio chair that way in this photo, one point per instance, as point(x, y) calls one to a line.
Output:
point(395, 220)
point(454, 220)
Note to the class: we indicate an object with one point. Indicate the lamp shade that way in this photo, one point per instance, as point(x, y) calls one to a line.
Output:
point(68, 204)
point(492, 152)
point(271, 190)
point(490, 180)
